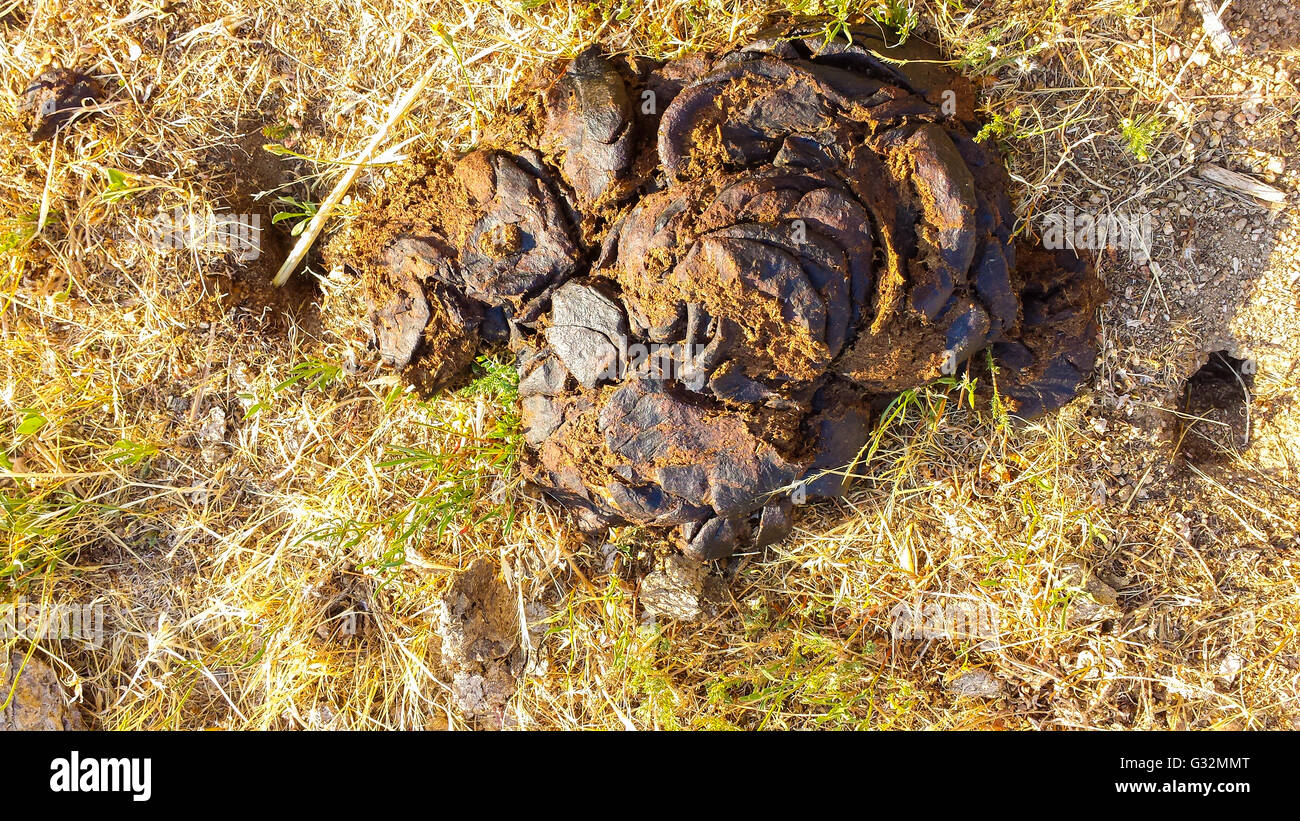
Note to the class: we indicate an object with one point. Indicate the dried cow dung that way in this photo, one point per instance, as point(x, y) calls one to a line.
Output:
point(54, 98)
point(710, 268)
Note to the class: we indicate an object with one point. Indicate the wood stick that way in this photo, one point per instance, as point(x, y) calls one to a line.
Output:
point(304, 243)
point(1239, 183)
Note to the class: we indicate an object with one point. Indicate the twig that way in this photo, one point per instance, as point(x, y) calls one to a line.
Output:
point(49, 184)
point(207, 371)
point(304, 243)
point(1239, 182)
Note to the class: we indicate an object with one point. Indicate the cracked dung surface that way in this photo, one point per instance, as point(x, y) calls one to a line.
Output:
point(710, 269)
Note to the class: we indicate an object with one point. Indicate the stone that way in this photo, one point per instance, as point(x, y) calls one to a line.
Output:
point(673, 589)
point(977, 683)
point(478, 622)
point(39, 701)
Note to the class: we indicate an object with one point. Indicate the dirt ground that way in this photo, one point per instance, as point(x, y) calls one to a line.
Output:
point(273, 525)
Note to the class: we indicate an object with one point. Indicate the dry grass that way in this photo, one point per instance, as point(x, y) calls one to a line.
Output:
point(235, 487)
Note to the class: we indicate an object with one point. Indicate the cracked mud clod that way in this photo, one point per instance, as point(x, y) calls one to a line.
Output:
point(706, 294)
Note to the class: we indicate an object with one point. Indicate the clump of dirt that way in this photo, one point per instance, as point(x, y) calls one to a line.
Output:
point(710, 268)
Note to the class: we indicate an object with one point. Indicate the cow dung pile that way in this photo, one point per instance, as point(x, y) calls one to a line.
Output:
point(711, 270)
